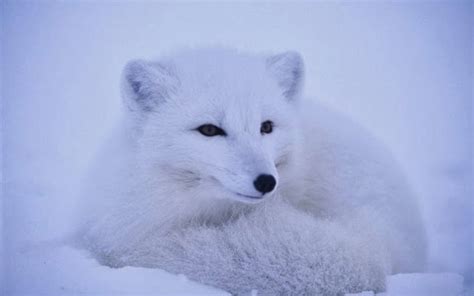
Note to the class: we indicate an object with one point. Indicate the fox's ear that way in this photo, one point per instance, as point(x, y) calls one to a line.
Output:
point(145, 85)
point(288, 69)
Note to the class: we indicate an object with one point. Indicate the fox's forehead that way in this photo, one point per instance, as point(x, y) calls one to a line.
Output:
point(225, 79)
point(242, 109)
point(237, 90)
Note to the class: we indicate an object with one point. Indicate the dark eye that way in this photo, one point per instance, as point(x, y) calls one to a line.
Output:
point(267, 127)
point(210, 130)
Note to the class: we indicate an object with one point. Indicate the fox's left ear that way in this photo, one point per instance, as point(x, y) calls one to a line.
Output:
point(145, 85)
point(288, 69)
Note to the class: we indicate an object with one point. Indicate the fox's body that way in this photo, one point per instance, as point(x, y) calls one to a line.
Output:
point(331, 213)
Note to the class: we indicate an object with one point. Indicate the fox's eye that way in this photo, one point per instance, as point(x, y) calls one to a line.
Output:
point(210, 130)
point(267, 127)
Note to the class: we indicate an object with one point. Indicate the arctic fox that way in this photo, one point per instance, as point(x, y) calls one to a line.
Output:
point(222, 172)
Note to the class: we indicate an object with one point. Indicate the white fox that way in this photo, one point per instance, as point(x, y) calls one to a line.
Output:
point(222, 172)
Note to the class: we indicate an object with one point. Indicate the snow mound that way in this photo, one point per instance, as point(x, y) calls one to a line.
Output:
point(68, 271)
point(421, 284)
point(426, 284)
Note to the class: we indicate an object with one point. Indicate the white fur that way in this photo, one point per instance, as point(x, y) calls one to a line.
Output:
point(163, 195)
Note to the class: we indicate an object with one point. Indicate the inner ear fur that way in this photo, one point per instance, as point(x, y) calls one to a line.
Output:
point(145, 85)
point(288, 69)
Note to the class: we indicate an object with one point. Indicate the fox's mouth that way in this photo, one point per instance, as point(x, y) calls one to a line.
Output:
point(248, 196)
point(239, 196)
point(249, 199)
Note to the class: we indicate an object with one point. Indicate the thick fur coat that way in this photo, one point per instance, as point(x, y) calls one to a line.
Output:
point(163, 194)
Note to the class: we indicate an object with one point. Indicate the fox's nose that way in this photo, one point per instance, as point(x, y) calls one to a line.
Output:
point(264, 183)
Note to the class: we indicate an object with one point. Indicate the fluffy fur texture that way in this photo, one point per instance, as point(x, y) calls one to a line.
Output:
point(163, 195)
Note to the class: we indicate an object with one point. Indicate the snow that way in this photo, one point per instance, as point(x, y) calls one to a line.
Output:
point(442, 284)
point(61, 270)
point(404, 70)
point(417, 284)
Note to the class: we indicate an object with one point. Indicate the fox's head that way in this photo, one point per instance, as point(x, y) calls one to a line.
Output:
point(215, 121)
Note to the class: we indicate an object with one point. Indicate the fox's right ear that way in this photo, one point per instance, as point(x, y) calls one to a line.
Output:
point(288, 69)
point(145, 85)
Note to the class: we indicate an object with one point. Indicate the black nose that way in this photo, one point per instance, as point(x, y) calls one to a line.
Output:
point(264, 183)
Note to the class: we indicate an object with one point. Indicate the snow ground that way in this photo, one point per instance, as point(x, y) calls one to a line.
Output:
point(418, 284)
point(60, 270)
point(47, 271)
point(404, 70)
